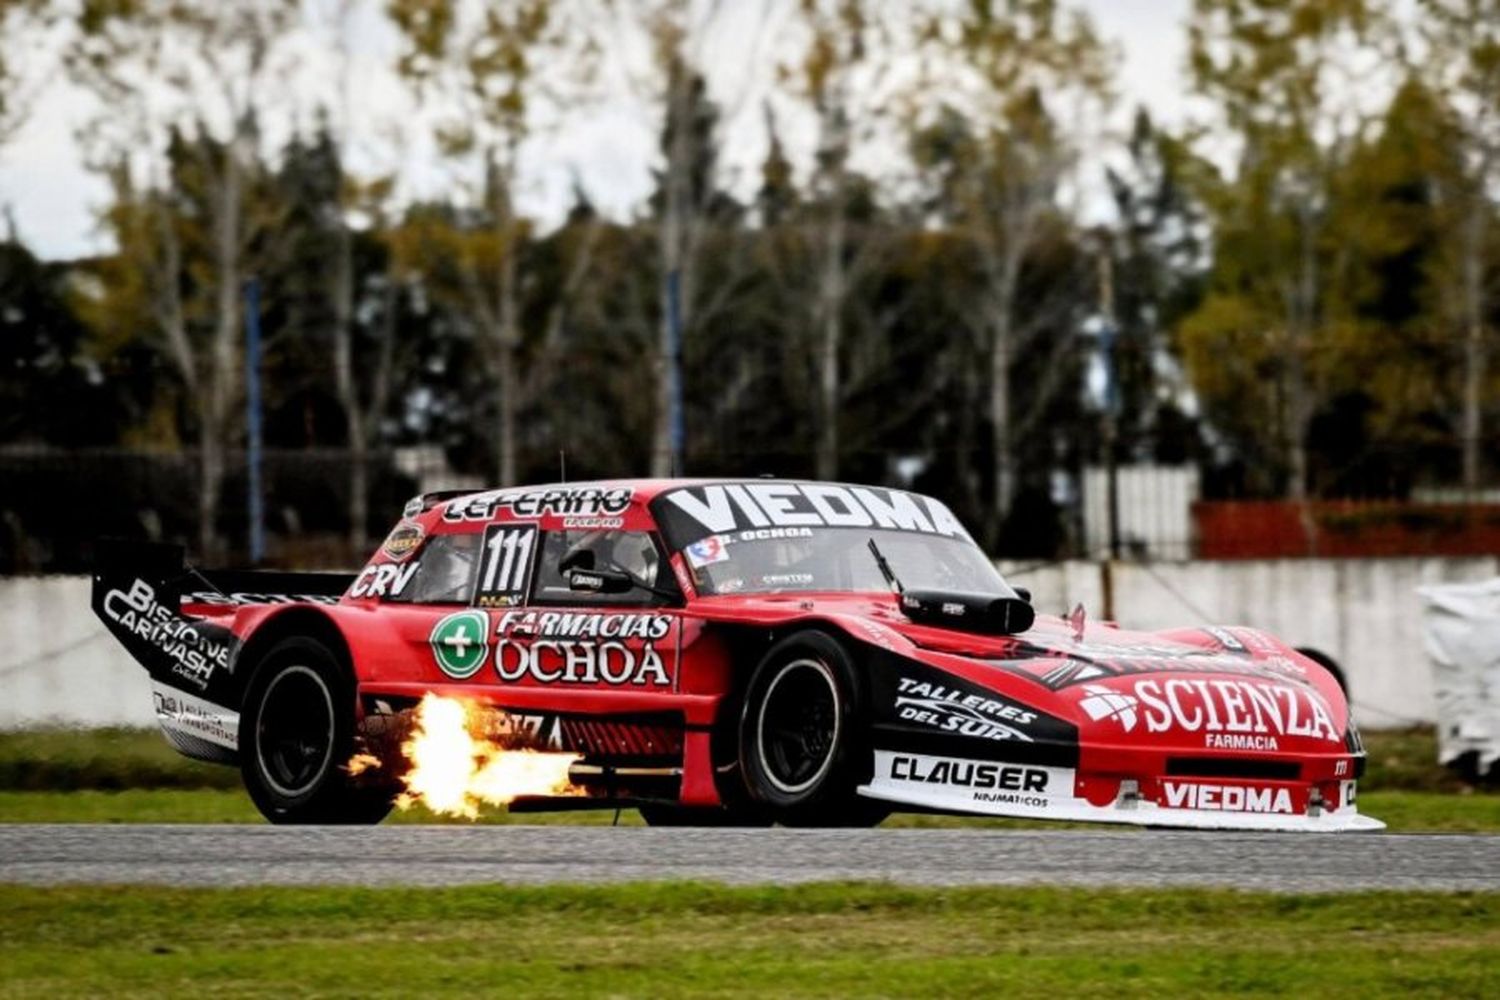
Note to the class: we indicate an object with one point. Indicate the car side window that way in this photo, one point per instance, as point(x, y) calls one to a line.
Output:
point(444, 573)
point(631, 552)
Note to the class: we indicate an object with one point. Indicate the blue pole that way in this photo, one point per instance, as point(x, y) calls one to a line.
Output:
point(253, 420)
point(674, 362)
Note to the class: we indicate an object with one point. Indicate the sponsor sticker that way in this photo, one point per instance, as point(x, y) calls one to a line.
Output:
point(1228, 714)
point(723, 508)
point(240, 597)
point(402, 541)
point(593, 523)
point(980, 785)
point(558, 647)
point(194, 655)
point(184, 713)
point(706, 552)
point(460, 643)
point(953, 711)
point(583, 501)
point(1102, 703)
point(1226, 798)
point(384, 580)
point(787, 580)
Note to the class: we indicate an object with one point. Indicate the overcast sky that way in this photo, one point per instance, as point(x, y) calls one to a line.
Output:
point(55, 200)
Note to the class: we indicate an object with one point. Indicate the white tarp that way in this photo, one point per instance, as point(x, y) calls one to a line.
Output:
point(1461, 625)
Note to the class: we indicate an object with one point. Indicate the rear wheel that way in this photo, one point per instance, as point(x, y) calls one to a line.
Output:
point(297, 736)
point(803, 735)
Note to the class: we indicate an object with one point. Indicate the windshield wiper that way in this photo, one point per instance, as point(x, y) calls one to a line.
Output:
point(885, 568)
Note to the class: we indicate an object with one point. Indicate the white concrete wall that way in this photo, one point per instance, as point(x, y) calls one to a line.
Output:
point(1362, 612)
point(58, 665)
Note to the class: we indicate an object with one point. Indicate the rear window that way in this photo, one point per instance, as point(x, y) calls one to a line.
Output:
point(444, 573)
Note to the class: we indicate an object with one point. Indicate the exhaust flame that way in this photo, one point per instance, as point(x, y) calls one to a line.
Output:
point(360, 763)
point(458, 764)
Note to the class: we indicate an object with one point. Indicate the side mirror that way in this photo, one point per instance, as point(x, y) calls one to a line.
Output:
point(600, 581)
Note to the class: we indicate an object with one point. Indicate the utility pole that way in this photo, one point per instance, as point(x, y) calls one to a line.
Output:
point(1108, 335)
point(253, 422)
point(674, 370)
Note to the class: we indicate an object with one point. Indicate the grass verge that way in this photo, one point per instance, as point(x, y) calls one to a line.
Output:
point(686, 939)
point(108, 759)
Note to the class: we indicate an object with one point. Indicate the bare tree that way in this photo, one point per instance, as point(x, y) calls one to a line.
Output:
point(482, 65)
point(672, 86)
point(363, 391)
point(1006, 74)
point(158, 68)
point(24, 70)
point(834, 76)
point(1281, 81)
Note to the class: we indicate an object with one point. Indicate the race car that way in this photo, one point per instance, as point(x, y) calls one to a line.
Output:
point(732, 652)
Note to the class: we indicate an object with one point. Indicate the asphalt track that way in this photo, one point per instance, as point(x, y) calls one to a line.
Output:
point(409, 855)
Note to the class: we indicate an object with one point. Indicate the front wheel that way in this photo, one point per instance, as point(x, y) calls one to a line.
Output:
point(803, 735)
point(297, 736)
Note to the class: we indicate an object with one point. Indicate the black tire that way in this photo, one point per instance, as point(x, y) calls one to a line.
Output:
point(803, 735)
point(297, 735)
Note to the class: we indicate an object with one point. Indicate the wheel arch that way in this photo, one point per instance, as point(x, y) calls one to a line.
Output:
point(303, 620)
point(746, 644)
point(1328, 663)
point(750, 640)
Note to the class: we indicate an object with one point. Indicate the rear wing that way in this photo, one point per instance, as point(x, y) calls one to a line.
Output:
point(165, 567)
point(140, 590)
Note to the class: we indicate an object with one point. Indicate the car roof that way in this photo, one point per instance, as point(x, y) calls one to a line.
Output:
point(643, 490)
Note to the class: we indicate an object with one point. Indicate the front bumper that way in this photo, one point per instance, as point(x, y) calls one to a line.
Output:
point(1026, 791)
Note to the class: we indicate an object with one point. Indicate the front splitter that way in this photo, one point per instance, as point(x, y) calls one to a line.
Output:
point(1136, 813)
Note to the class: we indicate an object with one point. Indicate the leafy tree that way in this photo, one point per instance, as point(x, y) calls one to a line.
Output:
point(53, 389)
point(482, 66)
point(1276, 73)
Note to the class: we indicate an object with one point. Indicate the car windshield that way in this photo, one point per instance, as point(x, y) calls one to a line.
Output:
point(773, 560)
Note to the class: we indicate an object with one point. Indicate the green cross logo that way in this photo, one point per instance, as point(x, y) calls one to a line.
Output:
point(460, 642)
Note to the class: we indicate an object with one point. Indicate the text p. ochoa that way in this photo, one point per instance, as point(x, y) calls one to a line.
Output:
point(550, 661)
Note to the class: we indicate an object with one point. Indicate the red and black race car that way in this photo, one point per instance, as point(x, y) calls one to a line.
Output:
point(740, 652)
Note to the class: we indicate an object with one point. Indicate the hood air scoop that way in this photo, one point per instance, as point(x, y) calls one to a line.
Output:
point(986, 614)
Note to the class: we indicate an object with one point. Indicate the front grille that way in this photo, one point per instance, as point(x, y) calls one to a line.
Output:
point(1232, 767)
